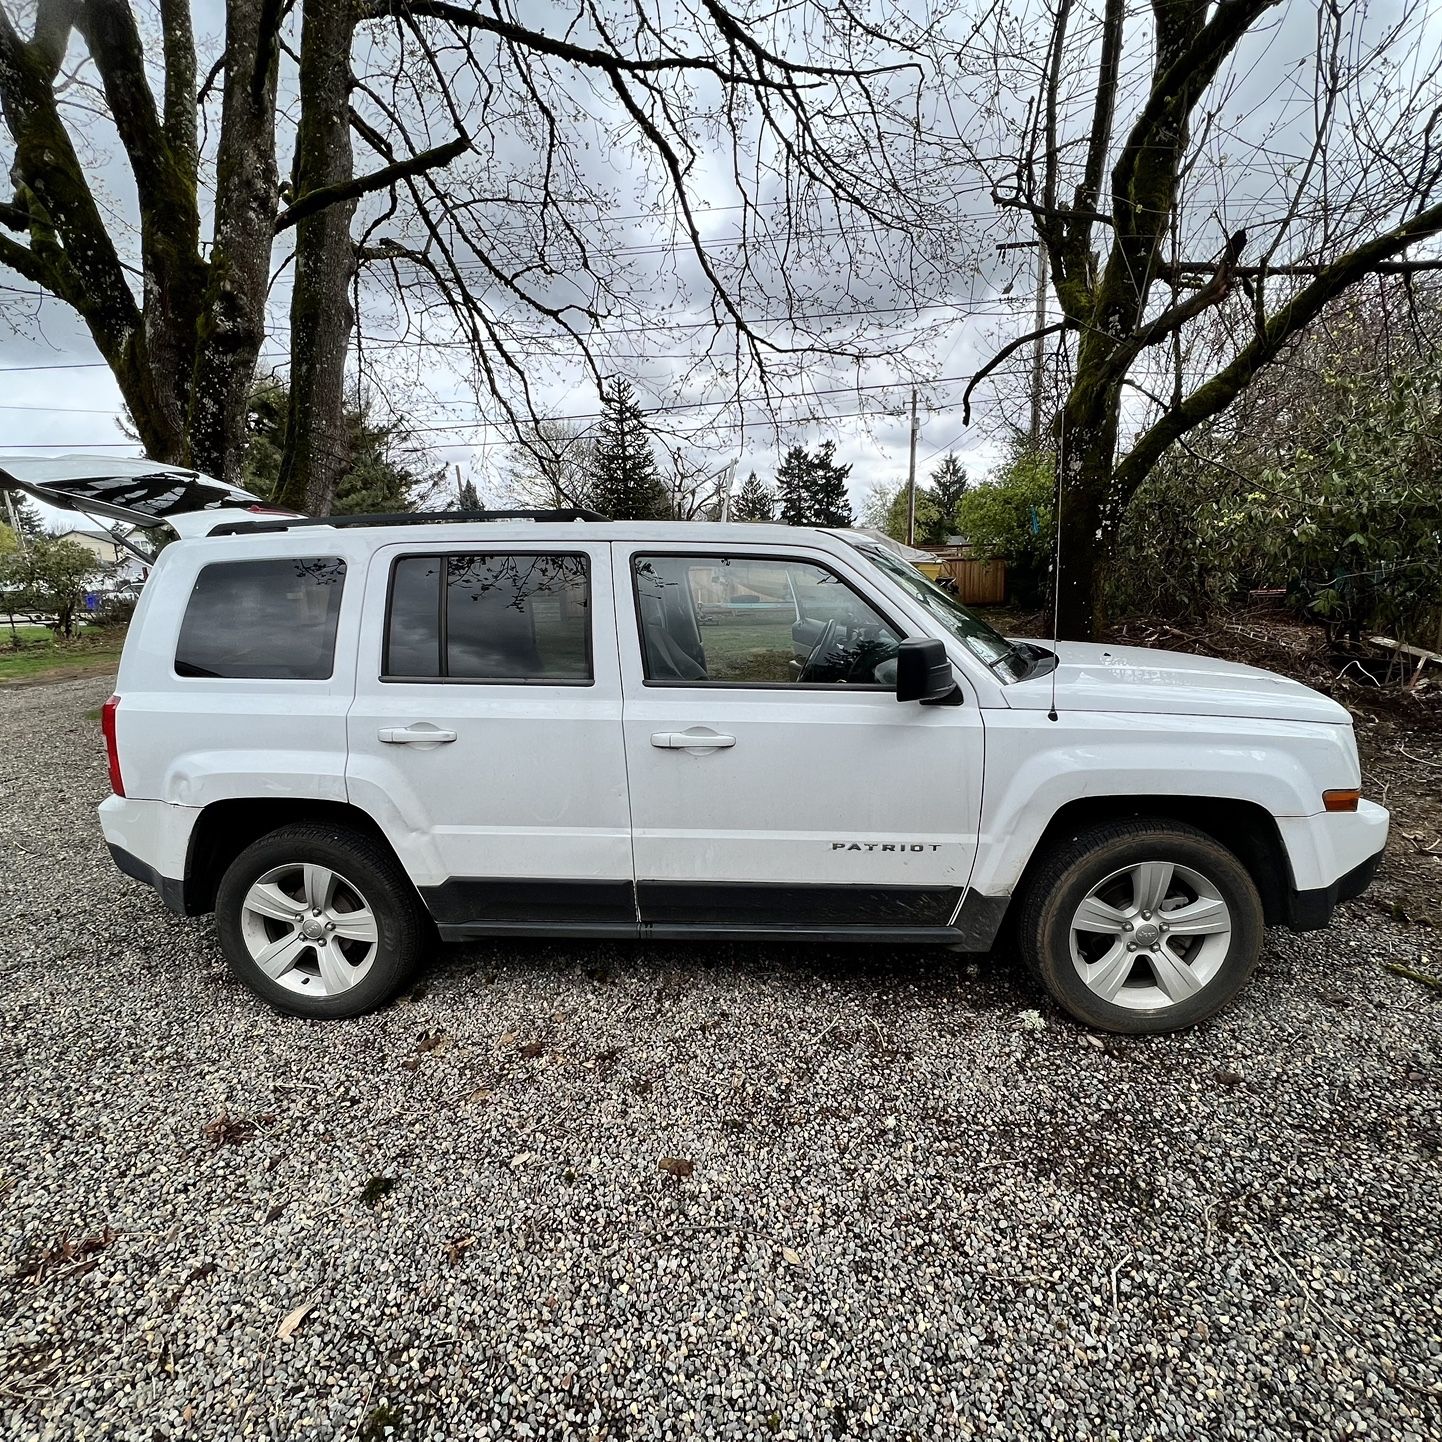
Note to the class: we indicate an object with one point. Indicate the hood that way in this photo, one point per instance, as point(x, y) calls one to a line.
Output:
point(1138, 680)
point(142, 492)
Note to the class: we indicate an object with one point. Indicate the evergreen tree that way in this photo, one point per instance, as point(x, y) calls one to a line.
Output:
point(468, 498)
point(626, 485)
point(949, 483)
point(380, 478)
point(812, 488)
point(754, 502)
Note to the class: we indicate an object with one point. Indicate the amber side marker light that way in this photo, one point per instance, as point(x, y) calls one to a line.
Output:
point(1341, 800)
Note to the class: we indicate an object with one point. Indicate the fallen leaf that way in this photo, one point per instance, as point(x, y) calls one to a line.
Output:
point(508, 1038)
point(792, 1258)
point(521, 1158)
point(678, 1167)
point(274, 1214)
point(1228, 1078)
point(457, 1248)
point(1096, 1041)
point(286, 1330)
point(532, 1049)
point(479, 1095)
point(226, 1130)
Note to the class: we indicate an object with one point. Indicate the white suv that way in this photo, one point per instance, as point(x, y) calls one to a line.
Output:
point(346, 736)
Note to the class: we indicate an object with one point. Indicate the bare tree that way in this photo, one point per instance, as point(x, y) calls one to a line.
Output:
point(554, 469)
point(485, 213)
point(1162, 201)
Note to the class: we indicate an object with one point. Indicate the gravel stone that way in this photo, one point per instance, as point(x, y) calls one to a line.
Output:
point(922, 1203)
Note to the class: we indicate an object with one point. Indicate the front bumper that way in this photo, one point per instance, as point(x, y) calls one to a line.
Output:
point(1311, 909)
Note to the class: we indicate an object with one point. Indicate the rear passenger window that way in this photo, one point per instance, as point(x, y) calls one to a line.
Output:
point(501, 617)
point(264, 620)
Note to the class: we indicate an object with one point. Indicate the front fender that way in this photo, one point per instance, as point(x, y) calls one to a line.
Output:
point(1034, 767)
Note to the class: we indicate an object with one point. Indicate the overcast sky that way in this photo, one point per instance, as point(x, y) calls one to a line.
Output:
point(56, 395)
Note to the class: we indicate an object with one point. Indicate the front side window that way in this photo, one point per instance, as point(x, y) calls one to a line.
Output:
point(744, 620)
point(269, 620)
point(492, 616)
point(979, 638)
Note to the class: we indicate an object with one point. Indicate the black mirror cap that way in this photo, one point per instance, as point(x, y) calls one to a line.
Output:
point(923, 673)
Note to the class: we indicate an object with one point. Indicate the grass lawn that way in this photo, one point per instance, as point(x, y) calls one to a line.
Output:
point(40, 655)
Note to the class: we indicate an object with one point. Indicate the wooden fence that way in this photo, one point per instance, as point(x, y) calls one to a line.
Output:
point(978, 583)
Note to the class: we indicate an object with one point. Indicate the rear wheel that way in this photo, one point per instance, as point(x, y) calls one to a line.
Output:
point(1141, 926)
point(319, 921)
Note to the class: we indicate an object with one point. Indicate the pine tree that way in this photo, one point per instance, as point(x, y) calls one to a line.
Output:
point(949, 483)
point(830, 502)
point(626, 485)
point(754, 502)
point(381, 477)
point(468, 498)
point(812, 489)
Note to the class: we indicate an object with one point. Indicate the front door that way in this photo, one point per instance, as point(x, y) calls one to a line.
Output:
point(775, 780)
point(485, 735)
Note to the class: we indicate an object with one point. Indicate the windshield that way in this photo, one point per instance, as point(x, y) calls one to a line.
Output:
point(978, 638)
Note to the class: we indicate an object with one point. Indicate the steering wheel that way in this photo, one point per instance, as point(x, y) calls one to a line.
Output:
point(819, 650)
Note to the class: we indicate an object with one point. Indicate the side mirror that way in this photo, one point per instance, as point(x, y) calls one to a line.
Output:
point(923, 672)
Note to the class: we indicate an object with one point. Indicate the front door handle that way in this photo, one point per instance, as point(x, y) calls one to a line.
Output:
point(421, 734)
point(691, 740)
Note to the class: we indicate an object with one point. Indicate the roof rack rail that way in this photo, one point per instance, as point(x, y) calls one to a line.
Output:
point(401, 518)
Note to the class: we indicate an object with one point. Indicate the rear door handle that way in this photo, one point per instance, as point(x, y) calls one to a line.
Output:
point(421, 734)
point(691, 740)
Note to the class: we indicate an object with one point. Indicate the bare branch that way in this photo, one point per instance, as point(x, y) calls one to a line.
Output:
point(317, 200)
point(1007, 350)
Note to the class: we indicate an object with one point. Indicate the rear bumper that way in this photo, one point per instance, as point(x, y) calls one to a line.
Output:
point(150, 840)
point(171, 891)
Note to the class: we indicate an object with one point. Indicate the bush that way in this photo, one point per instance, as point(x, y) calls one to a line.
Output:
point(1011, 516)
point(114, 613)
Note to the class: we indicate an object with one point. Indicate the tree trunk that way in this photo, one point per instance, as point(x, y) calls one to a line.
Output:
point(317, 450)
point(1090, 509)
point(232, 325)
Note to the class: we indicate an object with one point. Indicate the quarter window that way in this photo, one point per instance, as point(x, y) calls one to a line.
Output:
point(269, 620)
point(743, 620)
point(493, 616)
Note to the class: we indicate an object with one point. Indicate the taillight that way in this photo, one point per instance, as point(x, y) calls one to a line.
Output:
point(107, 727)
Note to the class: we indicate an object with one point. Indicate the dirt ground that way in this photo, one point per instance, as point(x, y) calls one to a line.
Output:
point(1399, 732)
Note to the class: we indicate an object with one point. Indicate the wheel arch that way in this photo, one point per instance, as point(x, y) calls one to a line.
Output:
point(225, 828)
point(1247, 830)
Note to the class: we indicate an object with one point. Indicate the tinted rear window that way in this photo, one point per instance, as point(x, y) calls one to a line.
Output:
point(495, 616)
point(267, 620)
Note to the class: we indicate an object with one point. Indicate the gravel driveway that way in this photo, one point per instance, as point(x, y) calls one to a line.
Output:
point(906, 1198)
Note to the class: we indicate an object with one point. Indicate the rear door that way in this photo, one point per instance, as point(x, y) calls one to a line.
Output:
point(140, 493)
point(776, 782)
point(485, 734)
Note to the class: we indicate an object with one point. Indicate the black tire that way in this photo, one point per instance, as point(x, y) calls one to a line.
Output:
point(366, 865)
point(1065, 876)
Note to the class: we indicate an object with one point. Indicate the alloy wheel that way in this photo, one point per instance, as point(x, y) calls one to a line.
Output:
point(309, 929)
point(1150, 935)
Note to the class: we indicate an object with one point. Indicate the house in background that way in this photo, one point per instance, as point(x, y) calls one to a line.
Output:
point(101, 543)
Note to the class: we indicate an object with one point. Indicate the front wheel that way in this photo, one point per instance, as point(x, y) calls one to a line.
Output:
point(319, 921)
point(1141, 926)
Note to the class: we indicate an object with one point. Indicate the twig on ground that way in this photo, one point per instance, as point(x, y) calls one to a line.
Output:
point(1412, 974)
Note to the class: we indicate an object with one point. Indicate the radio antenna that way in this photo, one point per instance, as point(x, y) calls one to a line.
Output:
point(1061, 463)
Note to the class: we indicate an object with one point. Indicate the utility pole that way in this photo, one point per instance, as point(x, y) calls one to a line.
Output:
point(911, 478)
point(727, 476)
point(1042, 277)
point(14, 520)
